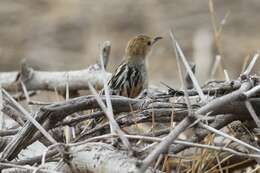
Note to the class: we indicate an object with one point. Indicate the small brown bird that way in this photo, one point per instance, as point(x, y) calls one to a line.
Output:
point(130, 78)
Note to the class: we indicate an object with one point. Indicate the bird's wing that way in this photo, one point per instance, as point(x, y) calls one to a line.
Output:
point(126, 81)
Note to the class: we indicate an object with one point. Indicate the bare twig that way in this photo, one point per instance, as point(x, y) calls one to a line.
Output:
point(181, 74)
point(104, 53)
point(228, 136)
point(188, 68)
point(108, 101)
point(251, 65)
point(8, 132)
point(226, 75)
point(111, 119)
point(42, 103)
point(216, 63)
point(12, 150)
point(67, 129)
point(245, 63)
point(30, 118)
point(27, 97)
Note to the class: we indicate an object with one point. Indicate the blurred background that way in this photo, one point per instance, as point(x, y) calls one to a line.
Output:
point(65, 34)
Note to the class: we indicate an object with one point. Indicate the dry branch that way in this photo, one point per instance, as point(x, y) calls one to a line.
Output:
point(56, 80)
point(217, 111)
point(102, 158)
point(51, 115)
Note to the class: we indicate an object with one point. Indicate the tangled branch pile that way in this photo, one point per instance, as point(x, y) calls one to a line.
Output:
point(219, 121)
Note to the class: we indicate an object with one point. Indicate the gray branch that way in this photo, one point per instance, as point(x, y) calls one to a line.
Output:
point(56, 80)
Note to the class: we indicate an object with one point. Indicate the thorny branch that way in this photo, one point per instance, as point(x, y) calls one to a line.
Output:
point(223, 104)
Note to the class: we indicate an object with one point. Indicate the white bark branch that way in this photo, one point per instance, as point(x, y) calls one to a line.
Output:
point(100, 158)
point(45, 80)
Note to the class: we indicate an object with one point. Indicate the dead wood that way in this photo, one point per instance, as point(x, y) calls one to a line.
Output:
point(205, 110)
point(56, 80)
point(98, 157)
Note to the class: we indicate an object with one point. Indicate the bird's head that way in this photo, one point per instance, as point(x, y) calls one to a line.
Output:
point(139, 46)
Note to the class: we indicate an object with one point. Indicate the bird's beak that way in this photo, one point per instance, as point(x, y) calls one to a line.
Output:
point(156, 39)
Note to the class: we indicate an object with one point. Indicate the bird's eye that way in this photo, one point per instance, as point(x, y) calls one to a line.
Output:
point(149, 43)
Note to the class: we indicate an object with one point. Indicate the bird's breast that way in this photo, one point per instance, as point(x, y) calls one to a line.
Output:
point(137, 80)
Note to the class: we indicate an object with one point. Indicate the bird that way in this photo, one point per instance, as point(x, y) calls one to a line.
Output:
point(130, 77)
